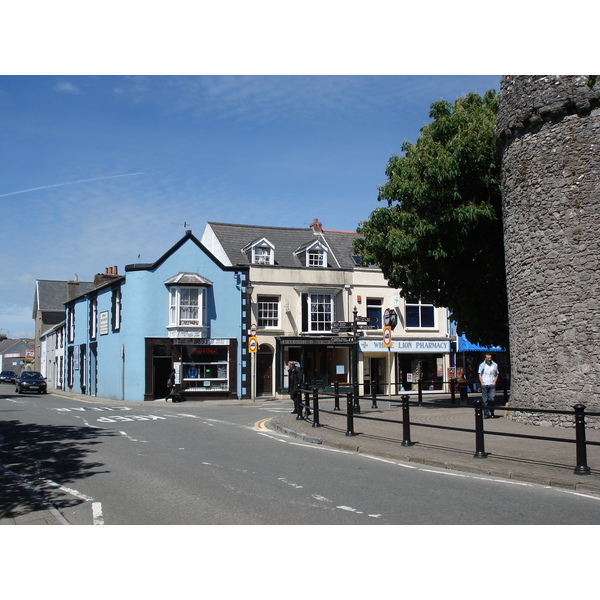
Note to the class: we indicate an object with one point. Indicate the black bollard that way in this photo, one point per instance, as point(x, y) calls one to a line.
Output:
point(582, 466)
point(316, 422)
point(479, 449)
point(453, 390)
point(349, 415)
point(336, 389)
point(405, 422)
point(420, 390)
point(374, 394)
point(357, 404)
point(307, 404)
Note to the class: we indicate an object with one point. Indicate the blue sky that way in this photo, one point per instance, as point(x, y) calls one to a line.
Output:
point(98, 170)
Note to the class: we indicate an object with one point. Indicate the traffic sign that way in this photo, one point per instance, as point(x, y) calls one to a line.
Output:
point(252, 344)
point(365, 326)
point(387, 336)
point(387, 315)
point(367, 319)
point(342, 324)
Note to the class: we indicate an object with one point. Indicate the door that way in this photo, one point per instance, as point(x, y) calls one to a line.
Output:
point(264, 371)
point(378, 376)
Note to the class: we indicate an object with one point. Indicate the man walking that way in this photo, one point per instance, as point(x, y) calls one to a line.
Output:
point(488, 376)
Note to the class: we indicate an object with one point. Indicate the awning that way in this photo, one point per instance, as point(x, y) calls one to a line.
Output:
point(464, 345)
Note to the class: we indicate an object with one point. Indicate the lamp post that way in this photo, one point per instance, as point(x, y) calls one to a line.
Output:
point(252, 332)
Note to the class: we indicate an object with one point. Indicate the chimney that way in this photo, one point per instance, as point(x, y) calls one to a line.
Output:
point(73, 288)
point(109, 274)
point(316, 226)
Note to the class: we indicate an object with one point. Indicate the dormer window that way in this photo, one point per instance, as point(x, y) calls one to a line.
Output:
point(315, 258)
point(263, 255)
point(260, 252)
point(314, 255)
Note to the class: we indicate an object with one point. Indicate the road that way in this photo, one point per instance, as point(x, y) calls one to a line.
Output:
point(106, 462)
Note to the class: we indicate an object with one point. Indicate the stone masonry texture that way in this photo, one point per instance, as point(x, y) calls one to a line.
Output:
point(548, 132)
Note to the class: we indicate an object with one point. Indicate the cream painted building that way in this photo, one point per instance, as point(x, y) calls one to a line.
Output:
point(308, 300)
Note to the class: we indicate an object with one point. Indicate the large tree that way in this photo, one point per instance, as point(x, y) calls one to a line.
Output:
point(440, 236)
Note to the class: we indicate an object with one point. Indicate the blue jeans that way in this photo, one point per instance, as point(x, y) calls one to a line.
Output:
point(488, 393)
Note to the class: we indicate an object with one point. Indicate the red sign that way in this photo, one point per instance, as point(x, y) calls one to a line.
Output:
point(252, 344)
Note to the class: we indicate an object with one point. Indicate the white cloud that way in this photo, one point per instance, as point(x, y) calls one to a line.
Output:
point(67, 87)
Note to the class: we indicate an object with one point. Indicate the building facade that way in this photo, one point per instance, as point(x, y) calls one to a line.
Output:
point(308, 296)
point(52, 356)
point(49, 306)
point(182, 313)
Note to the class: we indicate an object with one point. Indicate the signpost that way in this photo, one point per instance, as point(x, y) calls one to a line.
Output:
point(387, 342)
point(252, 348)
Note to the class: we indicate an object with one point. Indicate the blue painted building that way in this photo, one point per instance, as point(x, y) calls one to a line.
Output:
point(186, 312)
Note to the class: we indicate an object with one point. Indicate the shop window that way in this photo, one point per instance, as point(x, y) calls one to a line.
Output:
point(268, 312)
point(419, 314)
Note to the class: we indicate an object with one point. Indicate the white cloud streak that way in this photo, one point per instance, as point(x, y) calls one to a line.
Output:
point(46, 187)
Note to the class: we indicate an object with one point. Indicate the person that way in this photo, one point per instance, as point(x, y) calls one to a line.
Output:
point(295, 381)
point(171, 384)
point(488, 376)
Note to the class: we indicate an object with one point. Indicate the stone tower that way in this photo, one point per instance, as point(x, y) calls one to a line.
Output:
point(548, 131)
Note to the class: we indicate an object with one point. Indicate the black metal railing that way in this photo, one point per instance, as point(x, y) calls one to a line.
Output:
point(353, 409)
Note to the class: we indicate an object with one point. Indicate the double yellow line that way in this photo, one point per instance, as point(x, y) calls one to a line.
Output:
point(262, 425)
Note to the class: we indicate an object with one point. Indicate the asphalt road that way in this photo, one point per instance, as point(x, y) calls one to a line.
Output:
point(106, 462)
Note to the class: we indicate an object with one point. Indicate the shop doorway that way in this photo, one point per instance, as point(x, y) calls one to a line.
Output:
point(378, 376)
point(264, 371)
point(162, 365)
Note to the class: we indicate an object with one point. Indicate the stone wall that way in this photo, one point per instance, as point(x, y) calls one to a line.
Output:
point(548, 131)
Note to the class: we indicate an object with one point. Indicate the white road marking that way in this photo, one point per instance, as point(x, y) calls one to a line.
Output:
point(97, 516)
point(31, 491)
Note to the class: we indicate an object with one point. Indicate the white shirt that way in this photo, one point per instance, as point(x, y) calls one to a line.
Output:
point(488, 372)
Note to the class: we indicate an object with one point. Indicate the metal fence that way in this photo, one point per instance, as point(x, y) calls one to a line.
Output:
point(312, 396)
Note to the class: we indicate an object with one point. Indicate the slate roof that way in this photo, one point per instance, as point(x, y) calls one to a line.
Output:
point(286, 240)
point(50, 295)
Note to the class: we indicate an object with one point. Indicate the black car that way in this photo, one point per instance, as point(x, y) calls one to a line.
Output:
point(8, 377)
point(31, 381)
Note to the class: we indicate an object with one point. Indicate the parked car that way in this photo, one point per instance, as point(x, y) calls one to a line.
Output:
point(8, 377)
point(31, 381)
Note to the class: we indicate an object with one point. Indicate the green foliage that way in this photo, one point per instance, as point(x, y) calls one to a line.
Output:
point(440, 236)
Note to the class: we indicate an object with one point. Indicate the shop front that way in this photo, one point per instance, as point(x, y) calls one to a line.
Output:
point(204, 368)
point(399, 368)
point(323, 360)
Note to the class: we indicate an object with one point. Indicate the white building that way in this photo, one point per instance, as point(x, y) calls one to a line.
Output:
point(307, 291)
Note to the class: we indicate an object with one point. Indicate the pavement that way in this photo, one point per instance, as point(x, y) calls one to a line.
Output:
point(442, 436)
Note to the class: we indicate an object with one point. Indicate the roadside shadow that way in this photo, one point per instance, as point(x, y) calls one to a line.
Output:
point(31, 454)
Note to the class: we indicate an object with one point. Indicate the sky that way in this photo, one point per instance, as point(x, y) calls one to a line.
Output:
point(252, 113)
point(102, 171)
